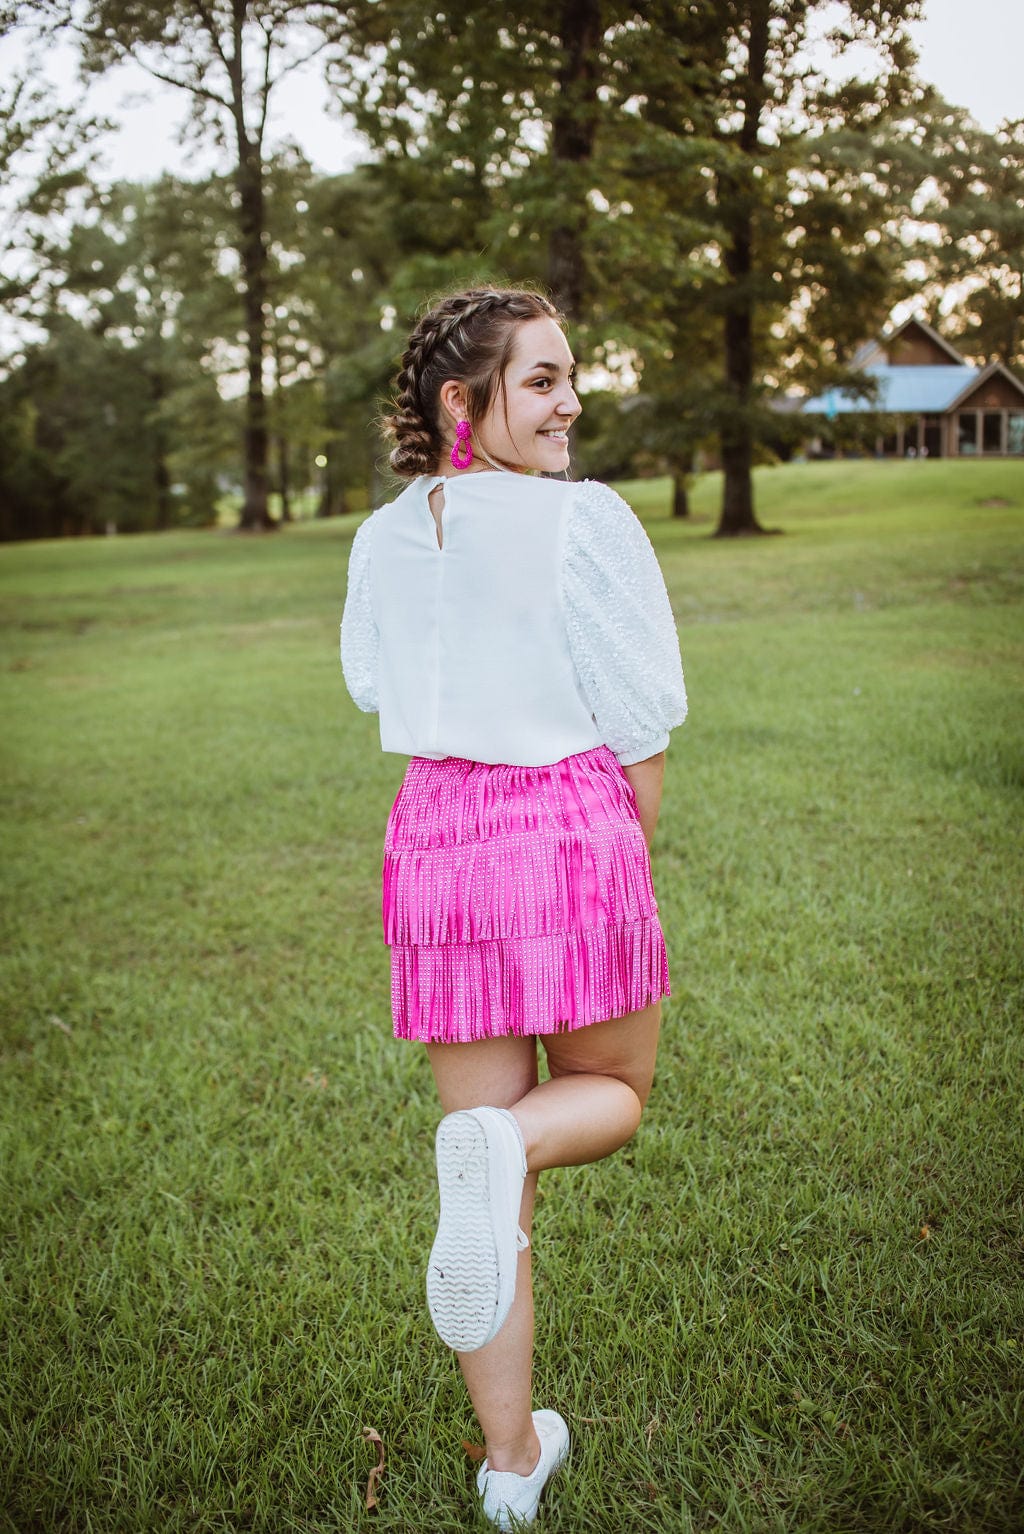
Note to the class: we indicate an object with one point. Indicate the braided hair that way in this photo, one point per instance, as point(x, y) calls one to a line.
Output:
point(468, 337)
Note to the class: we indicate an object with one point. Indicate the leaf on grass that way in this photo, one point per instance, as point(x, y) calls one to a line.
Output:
point(925, 1233)
point(58, 1022)
point(315, 1080)
point(370, 1435)
point(476, 1451)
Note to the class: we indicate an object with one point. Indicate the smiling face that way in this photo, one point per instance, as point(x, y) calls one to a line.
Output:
point(527, 424)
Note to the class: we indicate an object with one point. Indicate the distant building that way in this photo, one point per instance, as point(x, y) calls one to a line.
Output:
point(935, 403)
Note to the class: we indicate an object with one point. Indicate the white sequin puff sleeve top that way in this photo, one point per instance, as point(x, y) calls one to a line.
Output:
point(539, 627)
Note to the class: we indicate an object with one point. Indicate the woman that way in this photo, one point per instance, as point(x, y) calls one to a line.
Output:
point(514, 634)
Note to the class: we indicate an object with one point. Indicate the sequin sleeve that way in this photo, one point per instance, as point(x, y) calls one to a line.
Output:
point(360, 641)
point(622, 634)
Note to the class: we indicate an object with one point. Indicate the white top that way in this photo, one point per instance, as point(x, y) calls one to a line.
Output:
point(540, 629)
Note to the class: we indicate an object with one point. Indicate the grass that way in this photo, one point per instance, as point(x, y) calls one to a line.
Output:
point(792, 1306)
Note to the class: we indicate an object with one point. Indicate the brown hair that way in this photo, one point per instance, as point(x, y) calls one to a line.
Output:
point(469, 337)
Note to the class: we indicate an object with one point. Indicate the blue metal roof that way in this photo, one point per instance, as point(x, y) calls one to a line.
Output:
point(902, 391)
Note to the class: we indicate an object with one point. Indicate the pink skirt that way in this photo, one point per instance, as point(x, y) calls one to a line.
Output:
point(518, 900)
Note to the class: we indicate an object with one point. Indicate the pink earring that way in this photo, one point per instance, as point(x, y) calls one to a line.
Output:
point(462, 452)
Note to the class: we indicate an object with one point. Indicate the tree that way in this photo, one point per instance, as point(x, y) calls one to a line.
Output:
point(77, 460)
point(142, 269)
point(228, 56)
point(46, 155)
point(790, 186)
point(136, 307)
point(493, 121)
point(336, 244)
point(978, 204)
point(681, 166)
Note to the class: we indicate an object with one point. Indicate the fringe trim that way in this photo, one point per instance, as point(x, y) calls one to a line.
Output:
point(527, 986)
point(517, 887)
point(451, 801)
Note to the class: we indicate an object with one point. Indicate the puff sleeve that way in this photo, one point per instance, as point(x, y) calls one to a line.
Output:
point(622, 635)
point(360, 640)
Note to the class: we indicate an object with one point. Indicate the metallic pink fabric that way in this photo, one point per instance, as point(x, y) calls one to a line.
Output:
point(518, 900)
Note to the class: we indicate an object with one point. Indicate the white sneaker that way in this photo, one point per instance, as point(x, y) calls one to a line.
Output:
point(511, 1500)
point(471, 1275)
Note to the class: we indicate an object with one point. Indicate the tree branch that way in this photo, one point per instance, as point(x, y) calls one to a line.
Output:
point(306, 58)
point(206, 16)
point(124, 52)
point(268, 37)
point(182, 85)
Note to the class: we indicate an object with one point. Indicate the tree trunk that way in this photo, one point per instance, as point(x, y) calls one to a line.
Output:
point(249, 179)
point(284, 488)
point(253, 252)
point(572, 144)
point(163, 492)
point(680, 493)
point(161, 473)
point(737, 438)
point(333, 500)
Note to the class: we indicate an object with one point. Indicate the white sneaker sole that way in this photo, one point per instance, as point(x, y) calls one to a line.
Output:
point(471, 1275)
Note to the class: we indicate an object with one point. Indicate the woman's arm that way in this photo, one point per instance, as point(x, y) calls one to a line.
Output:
point(622, 638)
point(646, 779)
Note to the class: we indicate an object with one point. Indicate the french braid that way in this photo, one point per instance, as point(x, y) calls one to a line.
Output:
point(466, 336)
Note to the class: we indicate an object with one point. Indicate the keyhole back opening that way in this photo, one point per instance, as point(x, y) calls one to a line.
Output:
point(435, 501)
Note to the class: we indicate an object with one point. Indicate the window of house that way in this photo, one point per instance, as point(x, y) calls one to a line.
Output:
point(967, 432)
point(992, 431)
point(1015, 431)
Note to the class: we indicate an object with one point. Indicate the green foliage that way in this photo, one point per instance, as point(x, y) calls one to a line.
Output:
point(129, 428)
point(978, 202)
point(46, 156)
point(736, 219)
point(228, 57)
point(732, 207)
point(792, 1304)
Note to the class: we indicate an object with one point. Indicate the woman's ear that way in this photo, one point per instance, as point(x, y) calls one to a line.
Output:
point(452, 399)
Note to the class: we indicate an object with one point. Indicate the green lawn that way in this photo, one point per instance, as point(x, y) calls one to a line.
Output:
point(794, 1303)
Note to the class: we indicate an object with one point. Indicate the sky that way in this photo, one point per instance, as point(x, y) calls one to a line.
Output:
point(972, 50)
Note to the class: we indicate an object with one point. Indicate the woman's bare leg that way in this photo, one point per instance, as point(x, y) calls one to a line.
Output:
point(499, 1376)
point(600, 1080)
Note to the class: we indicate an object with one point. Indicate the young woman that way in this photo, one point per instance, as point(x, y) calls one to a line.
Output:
point(515, 636)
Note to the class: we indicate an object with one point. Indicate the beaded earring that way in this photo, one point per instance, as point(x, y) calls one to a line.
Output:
point(462, 452)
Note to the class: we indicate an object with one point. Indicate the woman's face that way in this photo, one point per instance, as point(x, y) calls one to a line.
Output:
point(527, 425)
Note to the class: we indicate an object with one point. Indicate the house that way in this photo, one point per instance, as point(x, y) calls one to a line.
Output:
point(935, 404)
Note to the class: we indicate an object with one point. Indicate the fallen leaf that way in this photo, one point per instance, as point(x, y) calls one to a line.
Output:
point(59, 1022)
point(370, 1435)
point(925, 1233)
point(476, 1451)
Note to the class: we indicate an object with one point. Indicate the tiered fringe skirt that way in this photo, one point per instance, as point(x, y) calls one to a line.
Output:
point(518, 900)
